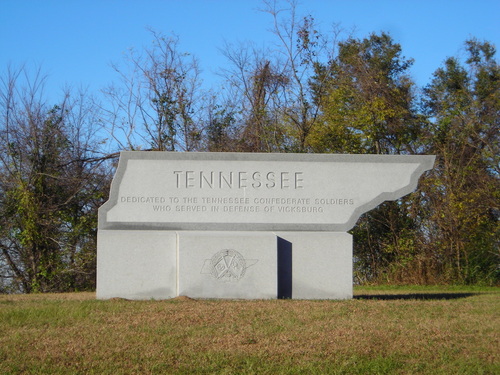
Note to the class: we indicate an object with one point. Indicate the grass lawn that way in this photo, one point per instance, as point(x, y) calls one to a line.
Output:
point(383, 330)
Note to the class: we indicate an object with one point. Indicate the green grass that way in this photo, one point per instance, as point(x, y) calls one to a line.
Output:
point(385, 330)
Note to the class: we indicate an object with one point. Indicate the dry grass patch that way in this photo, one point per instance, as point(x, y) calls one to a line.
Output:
point(66, 334)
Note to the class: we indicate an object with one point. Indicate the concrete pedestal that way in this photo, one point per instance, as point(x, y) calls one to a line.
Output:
point(249, 265)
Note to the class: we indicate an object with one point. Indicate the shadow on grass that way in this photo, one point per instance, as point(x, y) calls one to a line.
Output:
point(420, 296)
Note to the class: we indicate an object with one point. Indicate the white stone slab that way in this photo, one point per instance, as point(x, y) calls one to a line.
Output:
point(227, 265)
point(321, 264)
point(238, 191)
point(136, 264)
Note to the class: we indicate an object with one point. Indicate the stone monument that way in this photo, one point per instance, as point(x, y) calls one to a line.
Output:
point(240, 225)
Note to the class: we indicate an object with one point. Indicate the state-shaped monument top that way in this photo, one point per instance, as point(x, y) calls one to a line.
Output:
point(250, 191)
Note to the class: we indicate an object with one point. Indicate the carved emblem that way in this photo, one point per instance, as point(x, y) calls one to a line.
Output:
point(227, 265)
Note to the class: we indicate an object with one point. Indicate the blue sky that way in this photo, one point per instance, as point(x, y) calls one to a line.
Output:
point(74, 41)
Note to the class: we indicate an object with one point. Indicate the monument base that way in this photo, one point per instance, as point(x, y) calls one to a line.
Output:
point(230, 264)
point(136, 264)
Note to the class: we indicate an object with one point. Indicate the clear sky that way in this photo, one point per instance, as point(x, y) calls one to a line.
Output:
point(74, 41)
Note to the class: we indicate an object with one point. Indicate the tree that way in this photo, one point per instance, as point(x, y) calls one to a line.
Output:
point(52, 181)
point(277, 106)
point(367, 104)
point(463, 192)
point(220, 128)
point(367, 99)
point(256, 86)
point(155, 105)
point(300, 47)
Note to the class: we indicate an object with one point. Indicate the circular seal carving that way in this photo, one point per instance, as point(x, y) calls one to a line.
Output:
point(228, 265)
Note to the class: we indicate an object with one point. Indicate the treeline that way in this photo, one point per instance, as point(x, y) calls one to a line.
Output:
point(310, 92)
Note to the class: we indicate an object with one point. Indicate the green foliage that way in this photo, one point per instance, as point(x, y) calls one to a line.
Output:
point(449, 230)
point(463, 189)
point(221, 122)
point(367, 101)
point(50, 196)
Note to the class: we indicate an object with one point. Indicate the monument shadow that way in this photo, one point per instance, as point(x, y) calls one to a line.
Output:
point(284, 269)
point(416, 296)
